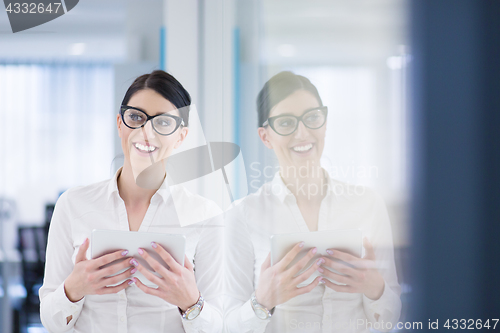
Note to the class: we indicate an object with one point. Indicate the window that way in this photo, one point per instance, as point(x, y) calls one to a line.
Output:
point(56, 131)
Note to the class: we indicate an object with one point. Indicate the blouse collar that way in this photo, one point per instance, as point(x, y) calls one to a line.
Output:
point(163, 191)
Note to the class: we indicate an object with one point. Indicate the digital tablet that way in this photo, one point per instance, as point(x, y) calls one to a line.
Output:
point(107, 241)
point(350, 241)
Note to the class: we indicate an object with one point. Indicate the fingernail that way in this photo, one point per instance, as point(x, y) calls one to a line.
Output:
point(134, 279)
point(141, 251)
point(124, 253)
point(301, 244)
point(330, 252)
point(130, 282)
point(320, 261)
point(320, 270)
point(321, 281)
point(134, 262)
point(154, 245)
point(314, 250)
point(133, 271)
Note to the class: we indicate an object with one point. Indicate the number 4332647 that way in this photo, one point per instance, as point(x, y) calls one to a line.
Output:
point(470, 324)
point(33, 8)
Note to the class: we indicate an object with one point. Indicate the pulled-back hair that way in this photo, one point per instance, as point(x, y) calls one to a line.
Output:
point(280, 87)
point(165, 85)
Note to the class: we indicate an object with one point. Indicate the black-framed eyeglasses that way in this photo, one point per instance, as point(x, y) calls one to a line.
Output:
point(286, 124)
point(163, 124)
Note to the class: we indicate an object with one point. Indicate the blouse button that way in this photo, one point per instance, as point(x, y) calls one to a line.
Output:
point(122, 319)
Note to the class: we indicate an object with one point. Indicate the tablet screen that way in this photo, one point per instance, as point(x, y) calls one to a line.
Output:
point(107, 241)
point(349, 241)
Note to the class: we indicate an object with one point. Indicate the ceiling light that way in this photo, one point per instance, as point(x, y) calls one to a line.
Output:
point(77, 49)
point(286, 50)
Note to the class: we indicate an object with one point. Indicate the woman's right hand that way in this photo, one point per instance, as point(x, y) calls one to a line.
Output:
point(277, 284)
point(88, 278)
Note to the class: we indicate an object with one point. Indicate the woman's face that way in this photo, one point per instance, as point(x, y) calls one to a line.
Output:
point(143, 147)
point(303, 147)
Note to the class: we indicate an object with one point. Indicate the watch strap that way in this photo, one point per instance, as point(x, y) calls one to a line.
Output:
point(197, 306)
point(259, 308)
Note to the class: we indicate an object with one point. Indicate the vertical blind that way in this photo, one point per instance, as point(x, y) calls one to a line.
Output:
point(56, 131)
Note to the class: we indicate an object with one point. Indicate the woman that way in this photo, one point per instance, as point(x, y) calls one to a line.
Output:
point(78, 293)
point(302, 198)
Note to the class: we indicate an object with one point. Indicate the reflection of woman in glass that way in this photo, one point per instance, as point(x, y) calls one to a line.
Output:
point(78, 293)
point(301, 198)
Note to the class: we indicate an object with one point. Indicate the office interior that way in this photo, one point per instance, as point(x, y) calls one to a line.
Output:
point(61, 85)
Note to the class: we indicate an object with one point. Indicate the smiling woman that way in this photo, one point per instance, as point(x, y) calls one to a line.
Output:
point(148, 140)
point(302, 197)
point(87, 295)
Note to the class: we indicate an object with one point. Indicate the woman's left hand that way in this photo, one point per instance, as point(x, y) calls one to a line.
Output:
point(177, 285)
point(363, 277)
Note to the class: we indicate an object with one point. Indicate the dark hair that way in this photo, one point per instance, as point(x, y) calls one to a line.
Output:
point(280, 87)
point(165, 85)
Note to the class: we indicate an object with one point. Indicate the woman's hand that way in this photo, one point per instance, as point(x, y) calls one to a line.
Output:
point(88, 278)
point(277, 284)
point(363, 277)
point(176, 285)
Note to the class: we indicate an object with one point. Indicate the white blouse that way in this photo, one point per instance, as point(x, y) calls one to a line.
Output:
point(273, 210)
point(99, 206)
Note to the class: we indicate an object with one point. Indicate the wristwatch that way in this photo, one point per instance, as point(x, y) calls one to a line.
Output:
point(193, 311)
point(260, 310)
